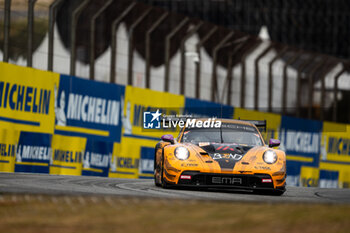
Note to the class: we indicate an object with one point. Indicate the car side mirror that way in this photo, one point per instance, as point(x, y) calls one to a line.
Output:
point(168, 138)
point(274, 142)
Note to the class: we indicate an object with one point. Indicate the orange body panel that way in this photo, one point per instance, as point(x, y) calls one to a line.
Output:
point(251, 163)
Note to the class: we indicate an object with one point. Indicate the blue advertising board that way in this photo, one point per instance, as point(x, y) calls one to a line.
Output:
point(88, 109)
point(300, 139)
point(34, 152)
point(202, 108)
point(97, 158)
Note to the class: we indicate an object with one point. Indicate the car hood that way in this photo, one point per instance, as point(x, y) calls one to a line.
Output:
point(226, 155)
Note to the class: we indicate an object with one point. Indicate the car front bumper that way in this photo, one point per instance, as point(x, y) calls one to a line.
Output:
point(228, 181)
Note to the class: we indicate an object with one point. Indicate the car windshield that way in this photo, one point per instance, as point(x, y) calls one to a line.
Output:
point(230, 134)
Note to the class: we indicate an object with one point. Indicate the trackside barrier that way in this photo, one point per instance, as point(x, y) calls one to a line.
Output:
point(64, 125)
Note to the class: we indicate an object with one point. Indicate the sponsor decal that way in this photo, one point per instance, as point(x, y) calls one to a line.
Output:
point(185, 177)
point(226, 180)
point(262, 168)
point(189, 165)
point(236, 157)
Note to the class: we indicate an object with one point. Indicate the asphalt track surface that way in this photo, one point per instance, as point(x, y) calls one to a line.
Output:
point(20, 183)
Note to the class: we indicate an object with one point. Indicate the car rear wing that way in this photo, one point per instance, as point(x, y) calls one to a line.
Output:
point(261, 125)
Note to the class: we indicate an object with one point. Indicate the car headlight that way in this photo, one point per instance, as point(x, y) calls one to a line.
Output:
point(181, 153)
point(270, 157)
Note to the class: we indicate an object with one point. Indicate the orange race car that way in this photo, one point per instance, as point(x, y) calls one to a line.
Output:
point(233, 155)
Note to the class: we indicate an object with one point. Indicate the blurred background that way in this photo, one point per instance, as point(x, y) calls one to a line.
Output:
point(288, 57)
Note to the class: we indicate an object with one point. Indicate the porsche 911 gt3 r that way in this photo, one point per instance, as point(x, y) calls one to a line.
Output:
point(231, 156)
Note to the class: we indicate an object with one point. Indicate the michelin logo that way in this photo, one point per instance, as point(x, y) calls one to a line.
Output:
point(24, 98)
point(87, 109)
point(96, 160)
point(126, 117)
point(151, 120)
point(302, 142)
point(33, 153)
point(59, 110)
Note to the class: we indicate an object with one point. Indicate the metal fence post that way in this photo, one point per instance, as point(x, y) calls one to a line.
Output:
point(115, 24)
point(300, 70)
point(148, 47)
point(229, 71)
point(243, 72)
point(31, 4)
point(92, 37)
point(7, 19)
point(167, 51)
point(183, 57)
point(198, 64)
point(323, 88)
point(75, 16)
point(277, 56)
point(335, 92)
point(52, 17)
point(131, 44)
point(214, 73)
point(256, 87)
point(311, 85)
point(285, 80)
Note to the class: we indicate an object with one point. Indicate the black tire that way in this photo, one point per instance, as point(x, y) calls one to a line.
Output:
point(155, 167)
point(164, 183)
point(275, 192)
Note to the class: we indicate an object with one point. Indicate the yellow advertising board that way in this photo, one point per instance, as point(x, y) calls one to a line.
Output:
point(138, 100)
point(135, 158)
point(27, 98)
point(273, 121)
point(125, 160)
point(309, 176)
point(67, 155)
point(335, 151)
point(8, 147)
